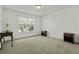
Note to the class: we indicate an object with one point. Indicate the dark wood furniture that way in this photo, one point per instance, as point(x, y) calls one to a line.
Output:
point(44, 33)
point(69, 37)
point(2, 35)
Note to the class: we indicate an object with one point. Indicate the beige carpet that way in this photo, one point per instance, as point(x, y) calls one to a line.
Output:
point(40, 45)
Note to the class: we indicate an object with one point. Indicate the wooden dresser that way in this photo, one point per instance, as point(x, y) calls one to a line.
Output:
point(69, 37)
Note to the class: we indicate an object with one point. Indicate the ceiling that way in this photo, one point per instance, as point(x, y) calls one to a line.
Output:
point(31, 9)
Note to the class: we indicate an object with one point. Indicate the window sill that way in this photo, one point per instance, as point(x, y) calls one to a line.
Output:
point(25, 32)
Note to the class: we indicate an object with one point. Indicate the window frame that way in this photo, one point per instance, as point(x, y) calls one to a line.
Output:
point(27, 20)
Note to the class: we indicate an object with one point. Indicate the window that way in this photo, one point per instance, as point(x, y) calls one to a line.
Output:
point(26, 24)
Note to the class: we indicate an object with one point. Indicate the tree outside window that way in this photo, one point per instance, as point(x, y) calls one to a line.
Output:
point(26, 24)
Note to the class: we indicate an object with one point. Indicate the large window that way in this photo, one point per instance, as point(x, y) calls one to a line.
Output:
point(25, 24)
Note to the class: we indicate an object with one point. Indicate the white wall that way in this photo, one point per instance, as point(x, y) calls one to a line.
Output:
point(10, 16)
point(1, 15)
point(61, 21)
